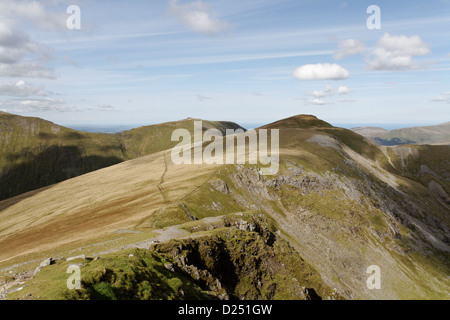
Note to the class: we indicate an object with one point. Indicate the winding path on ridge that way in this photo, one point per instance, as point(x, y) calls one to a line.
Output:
point(162, 235)
point(161, 181)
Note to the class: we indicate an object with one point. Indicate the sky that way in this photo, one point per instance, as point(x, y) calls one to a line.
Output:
point(134, 63)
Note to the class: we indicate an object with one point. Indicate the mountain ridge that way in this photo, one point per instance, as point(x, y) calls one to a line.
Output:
point(298, 122)
point(338, 204)
point(437, 134)
point(340, 201)
point(35, 153)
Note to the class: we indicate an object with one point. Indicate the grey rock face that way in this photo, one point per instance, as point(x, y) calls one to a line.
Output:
point(220, 186)
point(43, 264)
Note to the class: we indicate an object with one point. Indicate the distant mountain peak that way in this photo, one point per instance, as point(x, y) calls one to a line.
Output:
point(301, 121)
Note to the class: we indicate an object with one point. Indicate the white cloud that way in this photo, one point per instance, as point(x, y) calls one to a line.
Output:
point(321, 71)
point(198, 16)
point(26, 70)
point(344, 90)
point(14, 44)
point(397, 53)
point(318, 102)
point(35, 105)
point(445, 97)
point(327, 92)
point(349, 47)
point(19, 105)
point(330, 91)
point(32, 12)
point(21, 89)
point(19, 55)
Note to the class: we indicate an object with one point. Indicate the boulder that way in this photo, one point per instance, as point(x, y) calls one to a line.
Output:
point(81, 256)
point(169, 267)
point(43, 264)
point(220, 186)
point(245, 226)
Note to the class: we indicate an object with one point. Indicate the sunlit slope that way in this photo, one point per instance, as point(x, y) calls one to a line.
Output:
point(150, 139)
point(298, 122)
point(35, 153)
point(345, 204)
point(119, 197)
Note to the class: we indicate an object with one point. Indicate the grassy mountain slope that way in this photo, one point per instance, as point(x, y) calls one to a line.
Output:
point(35, 153)
point(214, 266)
point(439, 134)
point(151, 139)
point(340, 202)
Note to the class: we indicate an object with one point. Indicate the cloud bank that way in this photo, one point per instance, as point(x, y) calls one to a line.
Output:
point(21, 89)
point(349, 47)
point(328, 92)
point(396, 53)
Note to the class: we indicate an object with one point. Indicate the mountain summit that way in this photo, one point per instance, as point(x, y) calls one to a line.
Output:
point(299, 121)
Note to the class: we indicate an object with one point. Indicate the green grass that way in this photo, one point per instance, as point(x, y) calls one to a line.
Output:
point(141, 276)
point(200, 202)
point(360, 145)
point(164, 217)
point(91, 247)
point(422, 135)
point(262, 269)
point(299, 122)
point(436, 158)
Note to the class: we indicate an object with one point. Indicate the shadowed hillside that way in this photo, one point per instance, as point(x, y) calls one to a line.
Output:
point(35, 153)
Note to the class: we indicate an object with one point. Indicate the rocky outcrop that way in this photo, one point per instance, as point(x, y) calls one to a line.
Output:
point(18, 279)
point(220, 186)
point(246, 262)
point(436, 189)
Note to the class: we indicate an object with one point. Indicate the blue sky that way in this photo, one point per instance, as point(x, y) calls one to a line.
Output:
point(250, 61)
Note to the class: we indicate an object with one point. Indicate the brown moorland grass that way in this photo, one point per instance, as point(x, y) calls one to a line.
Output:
point(100, 202)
